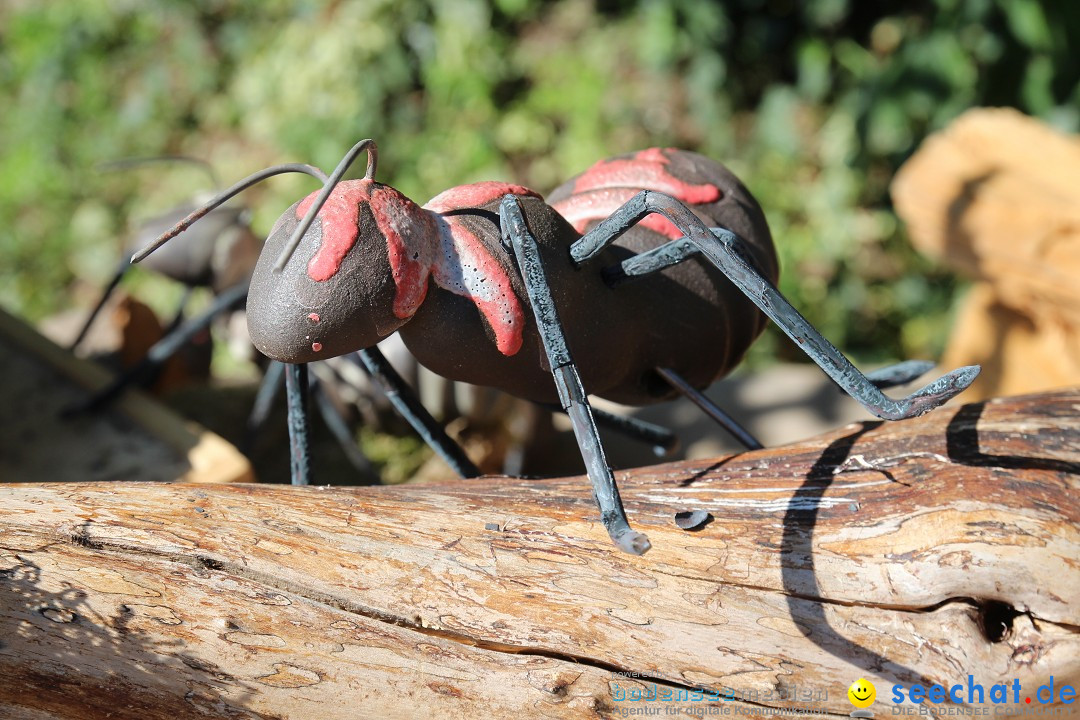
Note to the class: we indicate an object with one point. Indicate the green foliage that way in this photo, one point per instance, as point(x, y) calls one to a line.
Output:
point(814, 104)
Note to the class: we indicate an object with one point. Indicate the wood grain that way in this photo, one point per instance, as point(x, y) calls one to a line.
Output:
point(920, 551)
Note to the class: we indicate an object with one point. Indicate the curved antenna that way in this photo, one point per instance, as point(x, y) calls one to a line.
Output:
point(335, 178)
point(133, 162)
point(222, 197)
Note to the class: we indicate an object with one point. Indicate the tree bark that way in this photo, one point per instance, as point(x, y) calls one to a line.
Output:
point(922, 551)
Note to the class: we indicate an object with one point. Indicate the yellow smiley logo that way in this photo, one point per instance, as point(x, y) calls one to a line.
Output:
point(862, 693)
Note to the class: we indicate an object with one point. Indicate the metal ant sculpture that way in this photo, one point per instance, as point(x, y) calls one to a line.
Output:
point(220, 256)
point(489, 284)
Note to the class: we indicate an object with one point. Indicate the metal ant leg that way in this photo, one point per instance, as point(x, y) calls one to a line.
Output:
point(163, 349)
point(118, 275)
point(725, 253)
point(296, 394)
point(404, 400)
point(899, 374)
point(711, 409)
point(673, 253)
point(664, 441)
point(340, 430)
point(572, 397)
point(264, 400)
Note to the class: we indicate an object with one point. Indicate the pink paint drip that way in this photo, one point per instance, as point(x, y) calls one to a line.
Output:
point(609, 184)
point(340, 218)
point(420, 244)
point(475, 195)
point(399, 220)
point(316, 347)
point(467, 267)
point(580, 209)
point(647, 170)
point(409, 233)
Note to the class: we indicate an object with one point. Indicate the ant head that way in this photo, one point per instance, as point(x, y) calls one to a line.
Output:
point(341, 285)
point(354, 280)
point(220, 252)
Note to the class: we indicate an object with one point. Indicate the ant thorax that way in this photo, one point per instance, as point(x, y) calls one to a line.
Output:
point(466, 265)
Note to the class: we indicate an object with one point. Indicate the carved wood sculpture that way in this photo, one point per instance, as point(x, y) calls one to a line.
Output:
point(920, 551)
point(996, 195)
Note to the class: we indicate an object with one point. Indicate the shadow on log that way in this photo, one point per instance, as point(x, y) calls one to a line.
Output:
point(923, 552)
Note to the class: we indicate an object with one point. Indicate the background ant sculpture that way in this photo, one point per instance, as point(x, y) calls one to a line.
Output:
point(219, 254)
point(489, 284)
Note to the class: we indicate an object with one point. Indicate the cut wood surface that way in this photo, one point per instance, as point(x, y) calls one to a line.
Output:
point(916, 552)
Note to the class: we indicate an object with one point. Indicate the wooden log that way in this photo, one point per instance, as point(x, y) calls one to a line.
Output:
point(43, 381)
point(923, 551)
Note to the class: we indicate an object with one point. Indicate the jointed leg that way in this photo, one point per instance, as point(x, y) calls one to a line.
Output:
point(165, 348)
point(264, 400)
point(567, 381)
point(724, 252)
point(296, 395)
point(118, 275)
point(404, 400)
point(711, 409)
point(899, 374)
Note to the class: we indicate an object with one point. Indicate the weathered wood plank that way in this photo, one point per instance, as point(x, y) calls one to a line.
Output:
point(919, 551)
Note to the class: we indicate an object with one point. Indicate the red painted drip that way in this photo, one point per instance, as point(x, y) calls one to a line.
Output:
point(475, 195)
point(399, 221)
point(580, 209)
point(468, 268)
point(420, 244)
point(340, 218)
point(410, 243)
point(646, 170)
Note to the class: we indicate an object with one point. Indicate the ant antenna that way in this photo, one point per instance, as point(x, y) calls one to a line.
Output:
point(222, 197)
point(133, 162)
point(335, 178)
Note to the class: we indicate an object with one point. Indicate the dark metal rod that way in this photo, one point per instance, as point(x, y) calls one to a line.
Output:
point(296, 394)
point(339, 428)
point(725, 252)
point(118, 275)
point(572, 396)
point(664, 441)
point(711, 409)
point(163, 349)
point(899, 374)
point(650, 261)
point(328, 187)
point(404, 400)
point(223, 197)
point(264, 401)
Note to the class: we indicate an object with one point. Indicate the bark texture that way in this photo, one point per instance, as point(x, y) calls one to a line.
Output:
point(916, 552)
